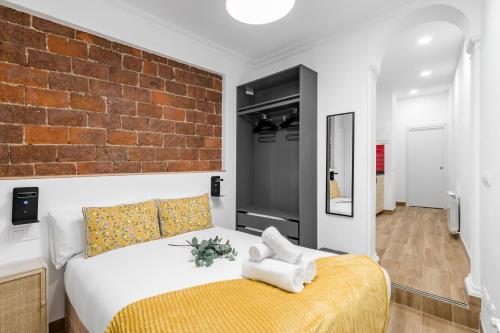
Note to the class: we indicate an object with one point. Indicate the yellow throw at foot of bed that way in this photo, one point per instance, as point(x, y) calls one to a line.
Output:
point(349, 294)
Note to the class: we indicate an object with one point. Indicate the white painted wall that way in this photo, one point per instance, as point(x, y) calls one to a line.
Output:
point(384, 115)
point(419, 111)
point(385, 103)
point(461, 163)
point(141, 30)
point(490, 156)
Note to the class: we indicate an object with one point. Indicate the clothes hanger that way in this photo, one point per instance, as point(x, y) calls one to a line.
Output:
point(291, 120)
point(265, 124)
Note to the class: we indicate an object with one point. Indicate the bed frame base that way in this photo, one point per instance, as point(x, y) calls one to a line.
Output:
point(73, 323)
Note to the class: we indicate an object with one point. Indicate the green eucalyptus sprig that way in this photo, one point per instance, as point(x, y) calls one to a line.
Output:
point(206, 251)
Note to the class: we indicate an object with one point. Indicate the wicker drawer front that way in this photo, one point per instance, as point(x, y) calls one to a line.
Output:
point(22, 304)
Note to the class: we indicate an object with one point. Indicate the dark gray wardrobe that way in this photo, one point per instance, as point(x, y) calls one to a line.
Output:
point(276, 155)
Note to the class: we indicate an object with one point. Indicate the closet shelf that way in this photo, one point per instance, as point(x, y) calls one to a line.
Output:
point(275, 103)
point(271, 212)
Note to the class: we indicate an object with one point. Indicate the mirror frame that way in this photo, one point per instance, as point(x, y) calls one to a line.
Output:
point(327, 201)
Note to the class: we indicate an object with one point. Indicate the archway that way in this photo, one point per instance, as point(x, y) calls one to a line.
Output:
point(456, 17)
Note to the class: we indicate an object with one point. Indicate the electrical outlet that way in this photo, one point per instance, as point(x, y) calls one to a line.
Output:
point(492, 310)
point(495, 322)
point(17, 235)
point(24, 233)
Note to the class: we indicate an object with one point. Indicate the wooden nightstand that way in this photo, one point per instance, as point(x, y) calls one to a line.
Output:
point(23, 296)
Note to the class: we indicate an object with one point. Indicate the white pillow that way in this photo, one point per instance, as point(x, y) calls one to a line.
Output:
point(67, 236)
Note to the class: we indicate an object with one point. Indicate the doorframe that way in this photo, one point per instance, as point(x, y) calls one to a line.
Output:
point(409, 129)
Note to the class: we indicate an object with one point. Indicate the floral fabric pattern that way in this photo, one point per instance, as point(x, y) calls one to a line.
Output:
point(178, 216)
point(110, 228)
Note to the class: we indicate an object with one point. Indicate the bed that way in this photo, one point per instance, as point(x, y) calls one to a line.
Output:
point(341, 206)
point(99, 287)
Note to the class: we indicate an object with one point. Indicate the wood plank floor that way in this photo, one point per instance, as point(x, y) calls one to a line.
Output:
point(403, 319)
point(416, 249)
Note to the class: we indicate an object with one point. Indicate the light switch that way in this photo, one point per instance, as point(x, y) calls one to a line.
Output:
point(32, 232)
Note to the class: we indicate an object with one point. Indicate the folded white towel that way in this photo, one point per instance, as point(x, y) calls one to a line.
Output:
point(260, 251)
point(283, 248)
point(308, 265)
point(274, 272)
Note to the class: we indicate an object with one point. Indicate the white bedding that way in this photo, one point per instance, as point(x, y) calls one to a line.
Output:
point(100, 286)
point(341, 206)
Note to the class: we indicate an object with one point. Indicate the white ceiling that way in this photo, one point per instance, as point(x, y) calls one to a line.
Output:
point(308, 21)
point(405, 60)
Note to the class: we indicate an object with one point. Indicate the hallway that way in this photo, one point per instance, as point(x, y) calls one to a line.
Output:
point(417, 250)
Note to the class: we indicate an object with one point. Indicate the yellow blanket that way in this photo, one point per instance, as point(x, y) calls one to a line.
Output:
point(349, 294)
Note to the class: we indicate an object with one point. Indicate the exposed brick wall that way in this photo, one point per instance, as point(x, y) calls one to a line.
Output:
point(72, 103)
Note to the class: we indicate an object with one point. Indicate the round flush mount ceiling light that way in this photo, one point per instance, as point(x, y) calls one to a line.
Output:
point(424, 40)
point(258, 11)
point(413, 92)
point(426, 73)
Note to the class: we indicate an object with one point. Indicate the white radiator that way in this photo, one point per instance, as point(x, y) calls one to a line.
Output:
point(453, 213)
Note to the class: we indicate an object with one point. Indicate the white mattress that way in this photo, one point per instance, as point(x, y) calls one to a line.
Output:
point(100, 286)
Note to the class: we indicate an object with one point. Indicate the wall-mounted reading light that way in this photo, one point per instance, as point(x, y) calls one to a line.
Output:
point(25, 205)
point(215, 186)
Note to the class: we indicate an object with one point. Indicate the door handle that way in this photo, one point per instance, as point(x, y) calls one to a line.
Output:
point(441, 168)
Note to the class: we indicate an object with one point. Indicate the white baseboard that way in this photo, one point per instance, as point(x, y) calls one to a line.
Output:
point(472, 290)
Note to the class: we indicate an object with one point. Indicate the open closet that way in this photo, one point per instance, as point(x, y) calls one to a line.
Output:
point(276, 181)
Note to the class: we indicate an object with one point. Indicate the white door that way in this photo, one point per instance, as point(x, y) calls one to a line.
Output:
point(425, 169)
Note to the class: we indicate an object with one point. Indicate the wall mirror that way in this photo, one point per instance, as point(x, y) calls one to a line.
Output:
point(340, 164)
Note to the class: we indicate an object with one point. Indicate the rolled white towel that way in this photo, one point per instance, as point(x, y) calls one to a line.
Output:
point(308, 265)
point(260, 251)
point(280, 274)
point(283, 248)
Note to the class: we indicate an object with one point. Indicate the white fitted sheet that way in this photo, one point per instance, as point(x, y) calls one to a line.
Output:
point(101, 286)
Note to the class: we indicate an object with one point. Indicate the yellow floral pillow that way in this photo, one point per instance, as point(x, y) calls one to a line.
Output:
point(178, 216)
point(334, 190)
point(110, 228)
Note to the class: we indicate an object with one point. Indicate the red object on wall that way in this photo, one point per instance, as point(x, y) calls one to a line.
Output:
point(380, 158)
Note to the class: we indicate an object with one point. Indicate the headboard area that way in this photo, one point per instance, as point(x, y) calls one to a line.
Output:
point(90, 121)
